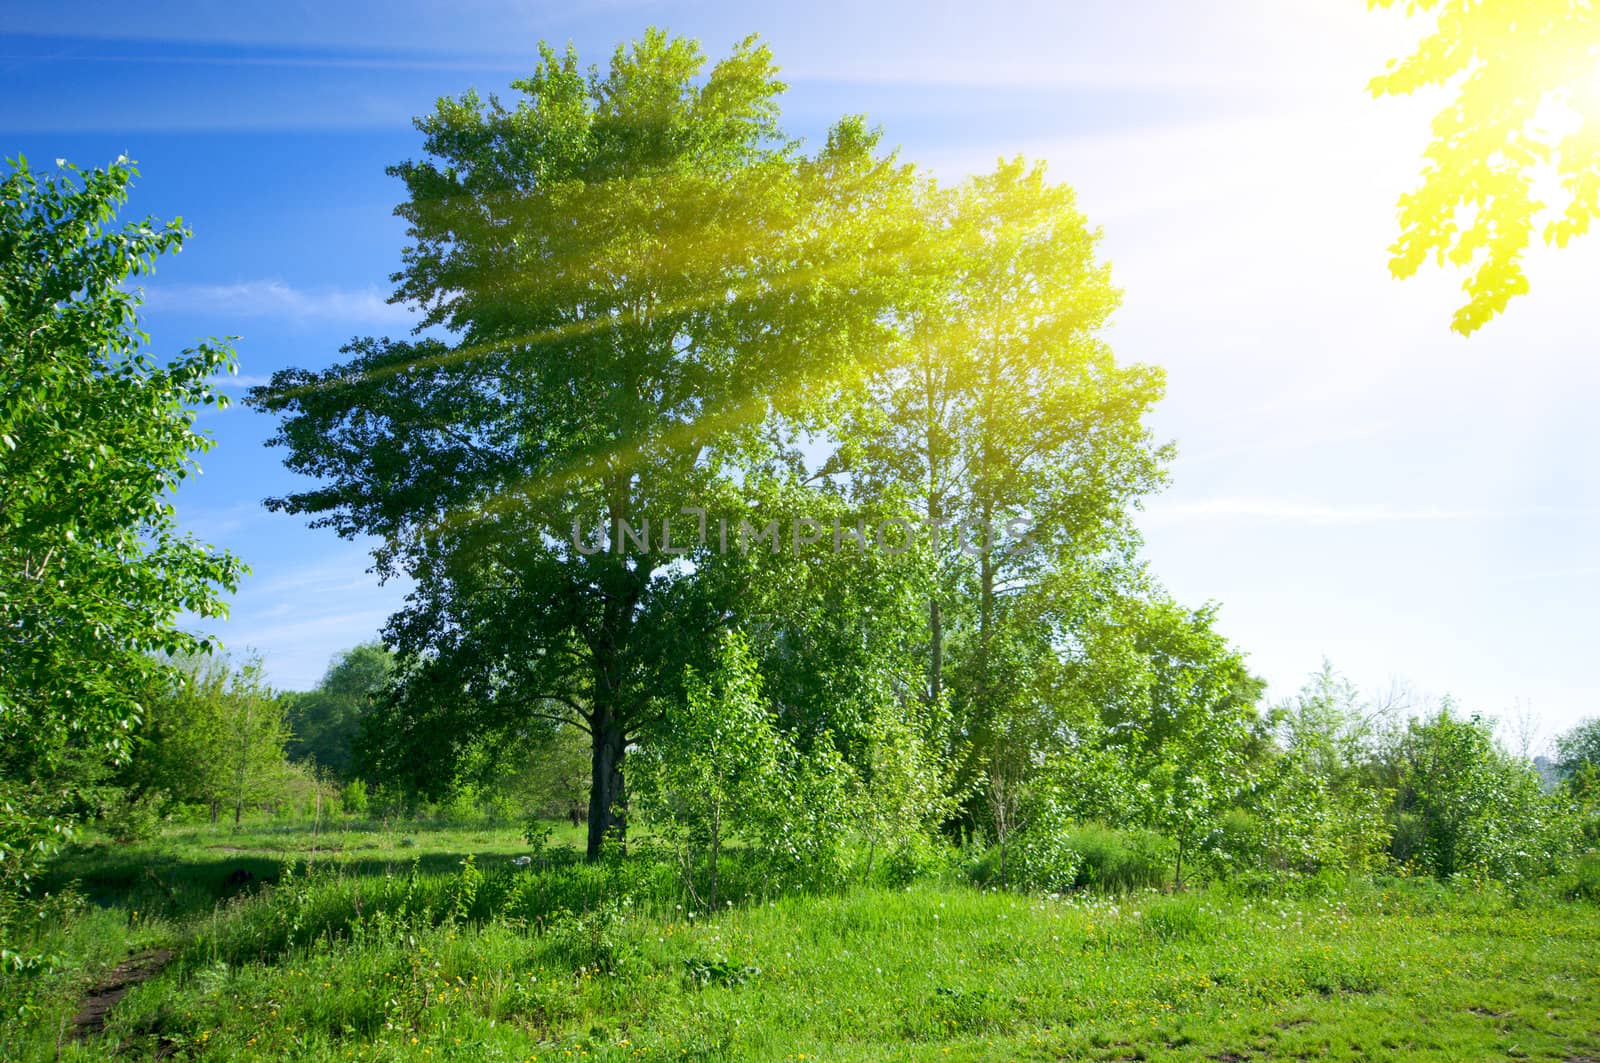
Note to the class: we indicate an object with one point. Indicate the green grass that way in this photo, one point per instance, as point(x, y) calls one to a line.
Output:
point(388, 950)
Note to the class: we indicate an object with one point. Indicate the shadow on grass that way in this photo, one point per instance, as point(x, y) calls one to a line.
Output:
point(154, 880)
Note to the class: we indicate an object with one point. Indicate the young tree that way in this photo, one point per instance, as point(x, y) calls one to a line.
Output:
point(251, 739)
point(94, 435)
point(1475, 809)
point(1579, 748)
point(1313, 802)
point(1525, 82)
point(213, 737)
point(640, 270)
point(1178, 702)
point(719, 767)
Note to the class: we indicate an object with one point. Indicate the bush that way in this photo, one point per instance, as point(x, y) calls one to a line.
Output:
point(1043, 860)
point(129, 818)
point(914, 859)
point(1180, 919)
point(1478, 811)
point(353, 797)
point(1116, 860)
point(1083, 856)
point(1586, 878)
point(723, 769)
point(591, 940)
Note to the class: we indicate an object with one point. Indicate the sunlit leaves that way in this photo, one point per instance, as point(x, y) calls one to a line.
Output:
point(1001, 402)
point(1525, 113)
point(93, 570)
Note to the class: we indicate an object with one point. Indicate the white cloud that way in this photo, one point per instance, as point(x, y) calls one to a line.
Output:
point(274, 298)
point(239, 381)
point(1298, 511)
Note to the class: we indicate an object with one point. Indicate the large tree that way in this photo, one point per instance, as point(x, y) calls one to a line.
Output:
point(95, 433)
point(1006, 427)
point(640, 275)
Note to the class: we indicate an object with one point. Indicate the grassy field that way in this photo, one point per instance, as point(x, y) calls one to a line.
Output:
point(389, 944)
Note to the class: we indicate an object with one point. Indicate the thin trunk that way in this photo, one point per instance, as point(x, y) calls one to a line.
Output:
point(935, 610)
point(716, 855)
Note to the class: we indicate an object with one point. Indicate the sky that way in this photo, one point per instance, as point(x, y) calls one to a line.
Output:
point(1354, 482)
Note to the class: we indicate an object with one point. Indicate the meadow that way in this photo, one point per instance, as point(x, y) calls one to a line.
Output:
point(423, 942)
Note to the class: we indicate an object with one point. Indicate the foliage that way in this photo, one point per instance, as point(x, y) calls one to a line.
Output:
point(719, 768)
point(1314, 805)
point(723, 769)
point(639, 269)
point(1119, 861)
point(1525, 104)
point(904, 789)
point(1477, 811)
point(1579, 748)
point(1003, 426)
point(1586, 878)
point(1178, 704)
point(215, 738)
point(326, 721)
point(95, 433)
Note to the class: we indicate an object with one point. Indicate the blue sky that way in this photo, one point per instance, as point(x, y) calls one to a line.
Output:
point(1354, 481)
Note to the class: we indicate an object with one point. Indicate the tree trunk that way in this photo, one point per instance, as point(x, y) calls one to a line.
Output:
point(607, 807)
point(935, 612)
point(622, 589)
point(716, 854)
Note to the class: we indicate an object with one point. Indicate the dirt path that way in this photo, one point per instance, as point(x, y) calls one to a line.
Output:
point(91, 1017)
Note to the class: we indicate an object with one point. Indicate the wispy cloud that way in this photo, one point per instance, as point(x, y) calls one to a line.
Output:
point(477, 64)
point(215, 523)
point(1297, 511)
point(240, 382)
point(277, 299)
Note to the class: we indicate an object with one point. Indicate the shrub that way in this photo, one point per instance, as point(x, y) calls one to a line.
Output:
point(353, 797)
point(1042, 859)
point(1586, 878)
point(1120, 860)
point(591, 940)
point(723, 769)
point(915, 858)
point(134, 818)
point(1479, 811)
point(1180, 919)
